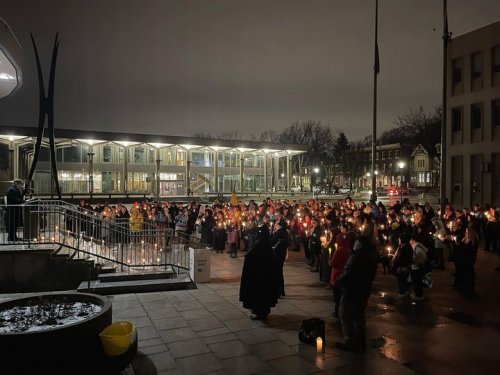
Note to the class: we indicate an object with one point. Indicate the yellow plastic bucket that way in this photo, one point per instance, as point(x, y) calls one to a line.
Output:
point(117, 337)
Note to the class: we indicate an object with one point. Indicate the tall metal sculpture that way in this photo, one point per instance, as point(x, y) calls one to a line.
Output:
point(46, 108)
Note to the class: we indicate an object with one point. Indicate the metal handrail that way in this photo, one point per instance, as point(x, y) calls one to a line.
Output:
point(120, 243)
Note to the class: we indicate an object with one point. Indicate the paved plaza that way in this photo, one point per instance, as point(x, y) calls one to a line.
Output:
point(206, 330)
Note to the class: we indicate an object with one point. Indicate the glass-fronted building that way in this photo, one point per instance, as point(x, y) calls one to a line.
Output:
point(104, 162)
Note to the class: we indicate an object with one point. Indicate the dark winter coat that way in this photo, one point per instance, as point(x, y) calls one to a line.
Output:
point(359, 272)
point(13, 215)
point(207, 230)
point(257, 288)
point(279, 244)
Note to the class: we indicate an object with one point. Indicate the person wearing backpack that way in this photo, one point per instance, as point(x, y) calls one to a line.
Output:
point(419, 268)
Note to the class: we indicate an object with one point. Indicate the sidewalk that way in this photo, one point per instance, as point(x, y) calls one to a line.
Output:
point(206, 330)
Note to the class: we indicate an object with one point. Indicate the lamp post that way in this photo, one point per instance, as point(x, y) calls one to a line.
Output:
point(316, 171)
point(368, 177)
point(401, 166)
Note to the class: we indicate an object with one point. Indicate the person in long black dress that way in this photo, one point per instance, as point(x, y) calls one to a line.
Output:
point(257, 288)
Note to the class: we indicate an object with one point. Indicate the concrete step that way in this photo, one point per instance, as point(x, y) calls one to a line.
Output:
point(180, 282)
point(128, 276)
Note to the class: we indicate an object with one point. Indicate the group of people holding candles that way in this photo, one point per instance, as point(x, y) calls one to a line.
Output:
point(343, 241)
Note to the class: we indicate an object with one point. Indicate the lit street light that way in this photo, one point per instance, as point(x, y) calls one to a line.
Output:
point(401, 166)
point(316, 171)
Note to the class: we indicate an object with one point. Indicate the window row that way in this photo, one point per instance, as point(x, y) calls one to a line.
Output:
point(476, 66)
point(381, 155)
point(79, 153)
point(140, 182)
point(476, 116)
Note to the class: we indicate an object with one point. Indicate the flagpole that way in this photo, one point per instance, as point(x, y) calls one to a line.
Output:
point(376, 69)
point(442, 172)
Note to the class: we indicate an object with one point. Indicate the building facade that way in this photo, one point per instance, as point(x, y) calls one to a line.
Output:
point(103, 162)
point(473, 118)
point(424, 168)
point(387, 166)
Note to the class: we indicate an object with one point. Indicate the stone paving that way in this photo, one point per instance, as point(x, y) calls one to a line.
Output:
point(206, 330)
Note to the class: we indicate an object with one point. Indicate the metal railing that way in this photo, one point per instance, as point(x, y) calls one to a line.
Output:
point(126, 244)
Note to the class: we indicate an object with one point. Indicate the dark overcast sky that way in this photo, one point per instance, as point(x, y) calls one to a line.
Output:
point(185, 66)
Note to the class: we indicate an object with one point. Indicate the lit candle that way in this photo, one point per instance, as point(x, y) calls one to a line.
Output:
point(319, 345)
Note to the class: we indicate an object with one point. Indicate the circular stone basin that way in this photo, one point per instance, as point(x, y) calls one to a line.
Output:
point(68, 343)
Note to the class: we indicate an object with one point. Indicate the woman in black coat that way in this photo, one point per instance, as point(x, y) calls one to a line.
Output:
point(207, 228)
point(465, 258)
point(258, 287)
point(279, 243)
point(220, 236)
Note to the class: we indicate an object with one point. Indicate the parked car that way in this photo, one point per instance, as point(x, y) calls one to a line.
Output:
point(296, 189)
point(345, 190)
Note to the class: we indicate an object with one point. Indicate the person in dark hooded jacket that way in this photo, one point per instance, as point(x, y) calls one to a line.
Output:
point(257, 287)
point(279, 243)
point(355, 284)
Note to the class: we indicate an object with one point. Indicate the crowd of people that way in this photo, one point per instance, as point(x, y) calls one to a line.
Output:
point(409, 240)
point(344, 241)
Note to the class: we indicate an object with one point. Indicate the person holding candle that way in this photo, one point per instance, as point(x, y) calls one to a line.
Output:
point(492, 229)
point(439, 236)
point(401, 263)
point(314, 234)
point(465, 258)
point(136, 221)
point(207, 227)
point(220, 233)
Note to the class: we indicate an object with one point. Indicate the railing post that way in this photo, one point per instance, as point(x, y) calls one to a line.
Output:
point(120, 249)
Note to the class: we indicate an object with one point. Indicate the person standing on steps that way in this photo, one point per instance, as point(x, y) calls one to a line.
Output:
point(13, 214)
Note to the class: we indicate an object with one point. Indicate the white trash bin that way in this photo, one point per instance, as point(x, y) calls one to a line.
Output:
point(199, 265)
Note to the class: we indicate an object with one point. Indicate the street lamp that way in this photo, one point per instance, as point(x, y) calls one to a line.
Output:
point(401, 166)
point(316, 171)
point(368, 176)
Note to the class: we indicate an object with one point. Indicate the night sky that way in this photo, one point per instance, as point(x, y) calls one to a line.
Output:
point(186, 66)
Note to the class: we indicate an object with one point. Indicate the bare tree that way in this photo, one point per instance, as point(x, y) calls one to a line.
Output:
point(269, 136)
point(414, 127)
